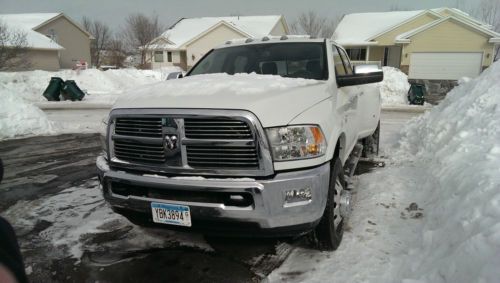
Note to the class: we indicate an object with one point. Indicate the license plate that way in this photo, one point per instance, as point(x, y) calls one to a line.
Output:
point(172, 214)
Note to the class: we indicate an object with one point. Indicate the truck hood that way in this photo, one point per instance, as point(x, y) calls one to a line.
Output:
point(273, 99)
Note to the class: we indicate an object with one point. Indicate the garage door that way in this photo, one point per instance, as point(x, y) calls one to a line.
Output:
point(445, 66)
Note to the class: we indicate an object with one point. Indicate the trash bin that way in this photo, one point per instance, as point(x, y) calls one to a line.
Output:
point(416, 94)
point(53, 90)
point(71, 91)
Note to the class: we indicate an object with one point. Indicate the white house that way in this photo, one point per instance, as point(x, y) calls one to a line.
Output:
point(189, 39)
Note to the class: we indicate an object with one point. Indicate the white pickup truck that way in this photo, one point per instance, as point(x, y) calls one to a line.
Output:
point(258, 139)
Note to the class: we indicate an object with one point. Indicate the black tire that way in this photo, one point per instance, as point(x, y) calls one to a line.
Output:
point(327, 236)
point(371, 144)
point(1, 170)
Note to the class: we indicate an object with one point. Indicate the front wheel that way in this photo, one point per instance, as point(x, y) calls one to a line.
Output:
point(328, 234)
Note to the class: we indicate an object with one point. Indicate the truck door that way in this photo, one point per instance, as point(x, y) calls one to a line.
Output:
point(368, 113)
point(347, 100)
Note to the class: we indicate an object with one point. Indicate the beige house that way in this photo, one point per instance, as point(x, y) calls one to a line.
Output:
point(437, 44)
point(188, 40)
point(54, 40)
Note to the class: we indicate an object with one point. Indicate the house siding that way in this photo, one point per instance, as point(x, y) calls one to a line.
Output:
point(388, 38)
point(47, 60)
point(196, 49)
point(74, 40)
point(279, 29)
point(449, 36)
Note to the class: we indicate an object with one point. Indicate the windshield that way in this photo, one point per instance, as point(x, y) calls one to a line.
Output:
point(294, 60)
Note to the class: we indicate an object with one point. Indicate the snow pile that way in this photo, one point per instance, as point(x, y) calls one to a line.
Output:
point(100, 86)
point(18, 118)
point(459, 142)
point(394, 88)
point(211, 84)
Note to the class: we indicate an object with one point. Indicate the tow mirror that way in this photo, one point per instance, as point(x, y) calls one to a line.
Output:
point(363, 74)
point(174, 75)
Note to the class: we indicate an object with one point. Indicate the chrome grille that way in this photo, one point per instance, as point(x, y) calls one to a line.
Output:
point(140, 127)
point(209, 142)
point(217, 128)
point(222, 156)
point(135, 151)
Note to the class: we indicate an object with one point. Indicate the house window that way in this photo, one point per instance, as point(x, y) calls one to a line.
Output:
point(357, 54)
point(159, 56)
point(169, 56)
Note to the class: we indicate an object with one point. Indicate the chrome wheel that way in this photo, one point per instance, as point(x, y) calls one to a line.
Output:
point(337, 216)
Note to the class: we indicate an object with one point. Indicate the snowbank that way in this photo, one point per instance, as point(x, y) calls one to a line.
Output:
point(394, 88)
point(459, 142)
point(101, 86)
point(18, 118)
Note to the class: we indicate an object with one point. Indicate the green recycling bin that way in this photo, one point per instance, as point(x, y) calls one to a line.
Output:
point(416, 94)
point(53, 90)
point(71, 91)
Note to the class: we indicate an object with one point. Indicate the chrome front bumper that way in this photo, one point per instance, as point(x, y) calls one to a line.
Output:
point(269, 209)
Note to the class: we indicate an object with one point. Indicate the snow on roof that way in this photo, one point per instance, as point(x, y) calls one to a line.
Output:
point(187, 29)
point(358, 28)
point(26, 23)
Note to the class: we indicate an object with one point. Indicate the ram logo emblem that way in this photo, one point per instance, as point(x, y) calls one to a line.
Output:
point(171, 142)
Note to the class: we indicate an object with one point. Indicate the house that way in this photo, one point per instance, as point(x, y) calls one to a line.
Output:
point(54, 40)
point(436, 44)
point(189, 39)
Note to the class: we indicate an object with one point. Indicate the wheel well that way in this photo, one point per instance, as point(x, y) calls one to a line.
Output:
point(339, 147)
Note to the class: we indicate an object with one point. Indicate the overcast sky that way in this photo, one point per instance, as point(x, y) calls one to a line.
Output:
point(113, 12)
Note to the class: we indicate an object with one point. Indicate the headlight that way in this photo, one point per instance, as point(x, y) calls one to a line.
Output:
point(296, 142)
point(103, 131)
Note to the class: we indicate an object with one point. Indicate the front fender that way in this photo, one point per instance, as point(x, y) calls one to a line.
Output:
point(324, 115)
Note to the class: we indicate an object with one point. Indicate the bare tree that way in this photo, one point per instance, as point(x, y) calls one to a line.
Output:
point(116, 53)
point(13, 48)
point(102, 37)
point(139, 31)
point(489, 12)
point(314, 25)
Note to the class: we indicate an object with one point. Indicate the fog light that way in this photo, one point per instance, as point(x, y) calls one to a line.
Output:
point(298, 196)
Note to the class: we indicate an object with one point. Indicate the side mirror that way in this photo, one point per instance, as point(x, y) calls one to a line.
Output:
point(174, 75)
point(363, 69)
point(363, 74)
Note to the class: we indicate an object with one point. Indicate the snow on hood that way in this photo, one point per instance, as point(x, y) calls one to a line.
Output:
point(459, 142)
point(263, 95)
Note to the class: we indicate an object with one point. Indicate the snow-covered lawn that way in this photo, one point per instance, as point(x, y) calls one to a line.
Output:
point(433, 214)
point(20, 90)
point(100, 86)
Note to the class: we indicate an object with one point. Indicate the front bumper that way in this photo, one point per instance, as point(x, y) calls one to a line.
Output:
point(268, 212)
